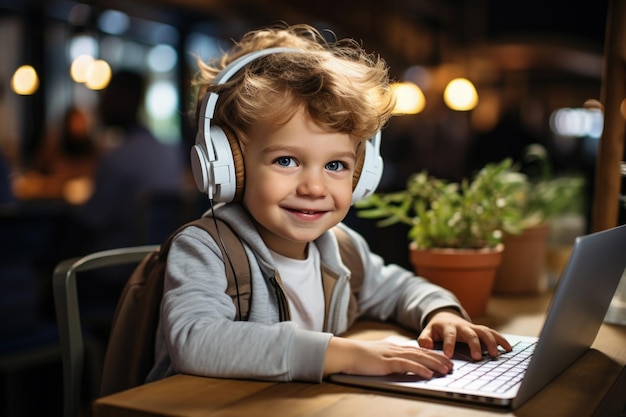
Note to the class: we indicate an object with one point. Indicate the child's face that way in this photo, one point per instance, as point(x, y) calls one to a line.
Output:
point(298, 182)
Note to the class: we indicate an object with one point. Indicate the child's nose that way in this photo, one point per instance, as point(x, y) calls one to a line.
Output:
point(313, 184)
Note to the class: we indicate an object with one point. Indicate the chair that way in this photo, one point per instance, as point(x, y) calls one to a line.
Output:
point(69, 317)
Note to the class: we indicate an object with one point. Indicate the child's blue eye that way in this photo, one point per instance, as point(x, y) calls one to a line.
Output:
point(285, 161)
point(335, 166)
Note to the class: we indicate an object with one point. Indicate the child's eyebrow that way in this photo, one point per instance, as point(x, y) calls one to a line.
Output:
point(280, 148)
point(294, 149)
point(346, 155)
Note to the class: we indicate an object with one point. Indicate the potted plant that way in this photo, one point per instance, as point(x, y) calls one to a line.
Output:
point(459, 225)
point(540, 200)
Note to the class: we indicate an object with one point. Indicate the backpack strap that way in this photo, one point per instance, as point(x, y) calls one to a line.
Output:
point(352, 260)
point(350, 257)
point(236, 264)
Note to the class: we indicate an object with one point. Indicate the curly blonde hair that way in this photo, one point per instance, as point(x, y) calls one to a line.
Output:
point(340, 86)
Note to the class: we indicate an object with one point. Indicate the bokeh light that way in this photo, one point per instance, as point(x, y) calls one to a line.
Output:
point(161, 100)
point(25, 80)
point(577, 122)
point(114, 22)
point(79, 67)
point(162, 58)
point(82, 44)
point(98, 75)
point(460, 94)
point(409, 98)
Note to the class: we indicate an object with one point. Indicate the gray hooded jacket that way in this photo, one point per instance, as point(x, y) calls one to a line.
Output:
point(198, 333)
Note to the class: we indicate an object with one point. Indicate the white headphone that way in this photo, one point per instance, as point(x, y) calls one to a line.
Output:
point(217, 160)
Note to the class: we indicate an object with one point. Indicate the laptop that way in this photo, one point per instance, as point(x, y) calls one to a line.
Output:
point(576, 312)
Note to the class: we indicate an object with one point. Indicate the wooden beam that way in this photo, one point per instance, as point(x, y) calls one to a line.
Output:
point(611, 147)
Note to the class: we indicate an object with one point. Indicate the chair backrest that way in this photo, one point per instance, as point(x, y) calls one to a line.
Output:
point(68, 313)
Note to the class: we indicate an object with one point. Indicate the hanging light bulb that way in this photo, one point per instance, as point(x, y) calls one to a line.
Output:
point(25, 80)
point(409, 98)
point(460, 94)
point(78, 69)
point(98, 75)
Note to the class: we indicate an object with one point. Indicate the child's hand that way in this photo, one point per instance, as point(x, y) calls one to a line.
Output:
point(449, 327)
point(382, 358)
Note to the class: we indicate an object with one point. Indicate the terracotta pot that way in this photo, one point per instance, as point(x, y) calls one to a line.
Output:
point(523, 267)
point(467, 273)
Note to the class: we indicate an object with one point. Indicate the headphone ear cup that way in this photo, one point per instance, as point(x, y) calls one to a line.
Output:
point(367, 172)
point(358, 168)
point(218, 171)
point(199, 168)
point(237, 155)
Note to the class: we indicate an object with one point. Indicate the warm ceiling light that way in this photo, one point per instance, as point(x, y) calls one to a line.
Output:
point(25, 80)
point(460, 94)
point(98, 75)
point(78, 69)
point(409, 98)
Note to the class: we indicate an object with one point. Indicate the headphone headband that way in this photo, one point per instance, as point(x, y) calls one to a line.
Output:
point(210, 100)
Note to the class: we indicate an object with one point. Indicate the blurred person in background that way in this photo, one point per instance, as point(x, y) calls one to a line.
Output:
point(136, 165)
point(72, 152)
point(65, 163)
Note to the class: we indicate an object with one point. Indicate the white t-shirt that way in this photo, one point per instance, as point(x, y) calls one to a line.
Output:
point(302, 281)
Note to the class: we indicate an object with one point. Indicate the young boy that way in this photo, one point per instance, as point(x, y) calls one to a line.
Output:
point(301, 118)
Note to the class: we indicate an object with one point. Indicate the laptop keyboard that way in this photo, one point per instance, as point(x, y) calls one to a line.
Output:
point(490, 375)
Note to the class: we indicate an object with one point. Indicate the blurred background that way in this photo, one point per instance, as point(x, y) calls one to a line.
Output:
point(527, 60)
point(528, 72)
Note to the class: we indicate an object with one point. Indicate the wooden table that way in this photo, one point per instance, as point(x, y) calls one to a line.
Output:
point(593, 386)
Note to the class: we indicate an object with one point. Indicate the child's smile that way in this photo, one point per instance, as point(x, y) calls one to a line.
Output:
point(307, 215)
point(298, 181)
